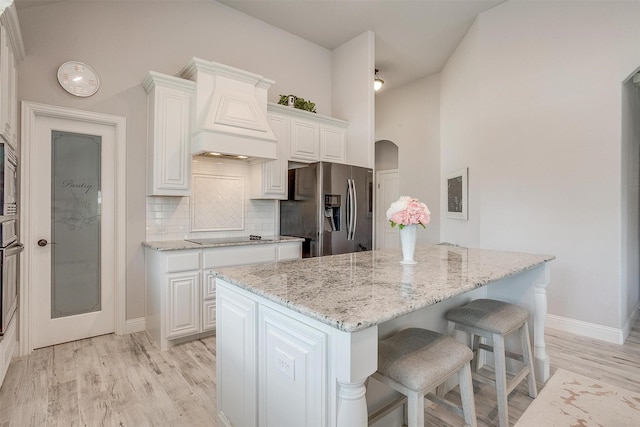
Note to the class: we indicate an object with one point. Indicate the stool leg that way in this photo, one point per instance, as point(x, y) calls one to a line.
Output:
point(415, 407)
point(501, 380)
point(475, 343)
point(528, 359)
point(466, 394)
point(451, 329)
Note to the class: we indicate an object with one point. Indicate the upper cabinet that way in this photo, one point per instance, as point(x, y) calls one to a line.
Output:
point(269, 178)
point(11, 51)
point(169, 106)
point(313, 137)
point(303, 137)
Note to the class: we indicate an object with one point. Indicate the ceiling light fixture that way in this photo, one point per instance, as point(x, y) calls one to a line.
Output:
point(377, 82)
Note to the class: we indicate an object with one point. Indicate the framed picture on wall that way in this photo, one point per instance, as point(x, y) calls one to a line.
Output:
point(457, 198)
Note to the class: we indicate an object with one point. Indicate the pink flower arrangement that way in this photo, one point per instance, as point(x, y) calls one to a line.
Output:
point(408, 210)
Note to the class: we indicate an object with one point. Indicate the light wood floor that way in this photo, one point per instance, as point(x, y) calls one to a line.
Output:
point(126, 381)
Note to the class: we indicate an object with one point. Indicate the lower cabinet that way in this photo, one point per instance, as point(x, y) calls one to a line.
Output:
point(271, 367)
point(291, 370)
point(181, 286)
point(236, 366)
point(183, 313)
point(209, 301)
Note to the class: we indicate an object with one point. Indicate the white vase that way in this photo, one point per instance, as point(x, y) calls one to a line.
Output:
point(408, 243)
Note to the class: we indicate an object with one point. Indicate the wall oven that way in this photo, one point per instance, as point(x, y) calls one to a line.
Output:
point(8, 180)
point(8, 272)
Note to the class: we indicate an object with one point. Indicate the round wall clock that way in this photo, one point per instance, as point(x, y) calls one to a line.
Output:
point(78, 79)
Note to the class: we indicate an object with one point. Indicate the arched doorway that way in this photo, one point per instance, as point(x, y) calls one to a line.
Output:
point(387, 191)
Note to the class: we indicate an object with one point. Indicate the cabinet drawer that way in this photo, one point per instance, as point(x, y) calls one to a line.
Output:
point(183, 261)
point(208, 285)
point(238, 255)
point(208, 315)
point(289, 251)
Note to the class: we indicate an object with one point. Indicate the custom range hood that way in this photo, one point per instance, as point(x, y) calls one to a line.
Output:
point(230, 111)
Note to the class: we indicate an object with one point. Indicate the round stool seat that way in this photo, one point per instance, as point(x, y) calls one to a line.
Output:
point(494, 316)
point(420, 358)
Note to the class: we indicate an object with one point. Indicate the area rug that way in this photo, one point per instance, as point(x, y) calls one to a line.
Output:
point(572, 400)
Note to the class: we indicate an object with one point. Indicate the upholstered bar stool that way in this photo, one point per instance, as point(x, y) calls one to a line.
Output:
point(493, 320)
point(415, 361)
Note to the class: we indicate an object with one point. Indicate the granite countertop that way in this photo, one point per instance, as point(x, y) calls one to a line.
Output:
point(358, 290)
point(175, 245)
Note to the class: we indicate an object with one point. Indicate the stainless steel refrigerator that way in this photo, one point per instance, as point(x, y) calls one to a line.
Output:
point(330, 205)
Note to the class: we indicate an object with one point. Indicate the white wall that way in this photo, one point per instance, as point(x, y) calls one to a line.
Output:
point(353, 98)
point(630, 201)
point(409, 116)
point(123, 40)
point(531, 103)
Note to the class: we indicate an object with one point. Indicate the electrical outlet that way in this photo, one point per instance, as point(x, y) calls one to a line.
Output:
point(285, 364)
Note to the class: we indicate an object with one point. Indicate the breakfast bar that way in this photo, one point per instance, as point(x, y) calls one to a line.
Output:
point(297, 340)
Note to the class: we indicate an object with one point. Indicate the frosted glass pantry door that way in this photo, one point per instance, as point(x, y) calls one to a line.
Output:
point(74, 283)
point(75, 223)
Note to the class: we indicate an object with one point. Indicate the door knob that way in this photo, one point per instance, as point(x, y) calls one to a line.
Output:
point(42, 242)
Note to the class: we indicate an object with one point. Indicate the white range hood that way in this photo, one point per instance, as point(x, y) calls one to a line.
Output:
point(230, 111)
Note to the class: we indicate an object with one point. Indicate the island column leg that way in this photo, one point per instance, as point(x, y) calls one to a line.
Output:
point(352, 404)
point(356, 359)
point(541, 358)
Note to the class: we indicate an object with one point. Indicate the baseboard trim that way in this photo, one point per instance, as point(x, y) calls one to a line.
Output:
point(626, 329)
point(591, 330)
point(135, 325)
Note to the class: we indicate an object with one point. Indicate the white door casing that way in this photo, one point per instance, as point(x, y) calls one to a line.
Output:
point(388, 191)
point(38, 120)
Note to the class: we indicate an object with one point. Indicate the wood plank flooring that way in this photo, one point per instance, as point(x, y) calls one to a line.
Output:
point(112, 381)
point(126, 381)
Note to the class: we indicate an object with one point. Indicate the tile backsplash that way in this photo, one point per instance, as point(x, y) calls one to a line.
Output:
point(222, 206)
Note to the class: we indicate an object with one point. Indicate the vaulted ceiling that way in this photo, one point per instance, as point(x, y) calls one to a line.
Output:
point(414, 38)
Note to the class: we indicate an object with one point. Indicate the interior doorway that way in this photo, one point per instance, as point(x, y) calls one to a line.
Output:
point(387, 192)
point(72, 225)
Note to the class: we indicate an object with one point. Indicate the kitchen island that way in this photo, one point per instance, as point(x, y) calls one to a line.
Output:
point(297, 340)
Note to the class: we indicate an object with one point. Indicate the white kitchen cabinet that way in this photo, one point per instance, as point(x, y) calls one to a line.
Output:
point(288, 251)
point(208, 301)
point(169, 105)
point(181, 286)
point(333, 146)
point(313, 137)
point(183, 311)
point(236, 366)
point(305, 140)
point(7, 346)
point(173, 294)
point(8, 90)
point(264, 350)
point(269, 179)
point(228, 256)
point(292, 371)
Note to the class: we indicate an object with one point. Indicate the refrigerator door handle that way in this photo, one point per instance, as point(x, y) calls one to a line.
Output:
point(354, 210)
point(348, 208)
point(351, 213)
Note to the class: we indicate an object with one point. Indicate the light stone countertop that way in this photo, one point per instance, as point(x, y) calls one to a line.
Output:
point(358, 290)
point(176, 245)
